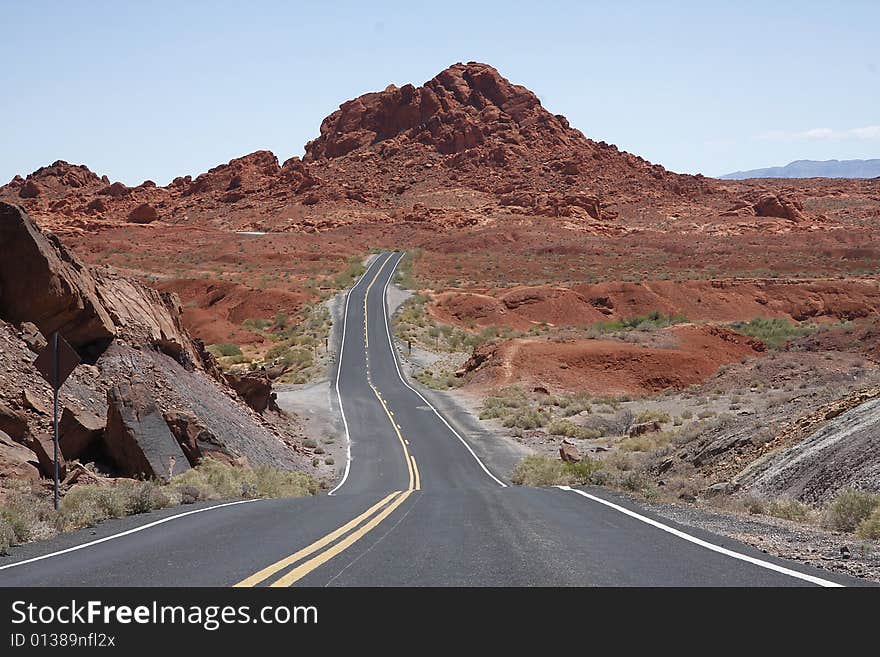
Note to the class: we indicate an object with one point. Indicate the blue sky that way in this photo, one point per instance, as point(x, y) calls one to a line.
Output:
point(153, 90)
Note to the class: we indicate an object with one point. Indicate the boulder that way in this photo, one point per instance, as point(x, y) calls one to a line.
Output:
point(137, 440)
point(255, 388)
point(194, 438)
point(116, 190)
point(80, 433)
point(31, 400)
point(569, 453)
point(97, 205)
point(780, 206)
point(32, 337)
point(14, 423)
point(29, 189)
point(16, 460)
point(644, 427)
point(43, 283)
point(143, 214)
point(44, 447)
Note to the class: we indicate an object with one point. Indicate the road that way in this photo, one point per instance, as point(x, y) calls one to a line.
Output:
point(417, 506)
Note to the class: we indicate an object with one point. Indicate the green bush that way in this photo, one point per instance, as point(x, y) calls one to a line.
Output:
point(215, 479)
point(538, 470)
point(653, 415)
point(849, 509)
point(224, 349)
point(774, 331)
point(563, 427)
point(654, 319)
point(869, 528)
point(788, 509)
point(525, 418)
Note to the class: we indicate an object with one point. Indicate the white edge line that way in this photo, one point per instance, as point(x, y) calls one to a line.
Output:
point(125, 533)
point(709, 546)
point(339, 371)
point(421, 396)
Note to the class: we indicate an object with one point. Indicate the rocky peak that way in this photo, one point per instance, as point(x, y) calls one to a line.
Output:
point(459, 109)
point(63, 174)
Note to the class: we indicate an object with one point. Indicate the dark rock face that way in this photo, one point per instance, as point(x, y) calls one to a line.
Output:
point(43, 283)
point(137, 440)
point(80, 432)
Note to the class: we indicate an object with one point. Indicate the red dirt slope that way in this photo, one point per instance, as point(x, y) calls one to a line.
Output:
point(608, 366)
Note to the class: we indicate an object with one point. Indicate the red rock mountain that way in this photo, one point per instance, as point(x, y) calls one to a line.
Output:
point(465, 148)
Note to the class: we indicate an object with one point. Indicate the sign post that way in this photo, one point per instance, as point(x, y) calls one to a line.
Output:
point(55, 363)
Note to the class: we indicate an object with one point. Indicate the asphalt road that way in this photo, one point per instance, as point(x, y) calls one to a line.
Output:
point(418, 505)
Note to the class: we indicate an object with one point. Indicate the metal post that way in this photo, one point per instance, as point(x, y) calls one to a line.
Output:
point(55, 387)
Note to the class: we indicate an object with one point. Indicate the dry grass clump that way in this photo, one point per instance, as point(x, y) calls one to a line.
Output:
point(538, 470)
point(26, 511)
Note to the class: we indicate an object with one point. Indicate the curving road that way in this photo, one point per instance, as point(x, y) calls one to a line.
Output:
point(418, 506)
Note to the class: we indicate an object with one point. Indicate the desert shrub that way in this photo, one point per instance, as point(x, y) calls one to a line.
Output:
point(85, 506)
point(353, 269)
point(215, 479)
point(647, 442)
point(574, 404)
point(653, 415)
point(582, 471)
point(539, 470)
point(256, 324)
point(224, 349)
point(869, 528)
point(849, 509)
point(754, 505)
point(15, 526)
point(563, 427)
point(525, 418)
point(686, 415)
point(654, 319)
point(774, 332)
point(634, 482)
point(503, 403)
point(788, 509)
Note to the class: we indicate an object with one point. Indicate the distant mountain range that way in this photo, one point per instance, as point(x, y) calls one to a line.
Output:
point(813, 169)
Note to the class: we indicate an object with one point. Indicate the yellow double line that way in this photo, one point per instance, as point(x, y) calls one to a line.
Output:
point(321, 558)
point(321, 551)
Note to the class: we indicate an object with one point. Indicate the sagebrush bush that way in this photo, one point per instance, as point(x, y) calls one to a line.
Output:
point(869, 528)
point(563, 427)
point(849, 509)
point(27, 514)
point(788, 509)
point(525, 418)
point(539, 470)
point(652, 415)
point(215, 479)
point(224, 349)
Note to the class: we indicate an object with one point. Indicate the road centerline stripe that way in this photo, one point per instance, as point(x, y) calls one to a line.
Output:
point(315, 562)
point(339, 372)
point(403, 443)
point(281, 564)
point(416, 471)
